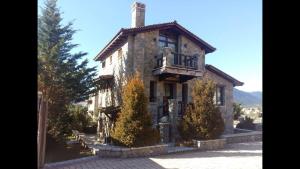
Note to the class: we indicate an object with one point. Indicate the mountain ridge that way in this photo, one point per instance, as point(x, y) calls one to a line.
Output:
point(247, 99)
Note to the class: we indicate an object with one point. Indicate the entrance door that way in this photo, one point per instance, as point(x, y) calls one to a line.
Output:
point(169, 90)
point(170, 93)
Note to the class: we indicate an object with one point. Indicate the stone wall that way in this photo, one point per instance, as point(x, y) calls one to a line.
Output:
point(139, 55)
point(258, 126)
point(243, 137)
point(227, 109)
point(144, 48)
point(91, 106)
point(118, 152)
point(187, 47)
point(209, 144)
point(115, 66)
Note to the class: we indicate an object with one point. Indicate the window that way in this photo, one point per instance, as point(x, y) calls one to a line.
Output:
point(184, 93)
point(152, 97)
point(219, 97)
point(120, 53)
point(103, 64)
point(110, 59)
point(168, 41)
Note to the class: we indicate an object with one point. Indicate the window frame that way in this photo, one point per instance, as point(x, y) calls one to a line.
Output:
point(103, 64)
point(167, 42)
point(110, 59)
point(152, 91)
point(120, 53)
point(219, 101)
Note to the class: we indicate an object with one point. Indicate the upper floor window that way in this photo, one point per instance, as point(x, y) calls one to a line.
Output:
point(120, 53)
point(152, 97)
point(103, 64)
point(168, 40)
point(219, 97)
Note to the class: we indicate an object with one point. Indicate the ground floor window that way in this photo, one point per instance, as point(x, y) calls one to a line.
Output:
point(219, 97)
point(152, 97)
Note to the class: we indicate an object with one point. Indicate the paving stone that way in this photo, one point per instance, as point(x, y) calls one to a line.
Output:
point(234, 156)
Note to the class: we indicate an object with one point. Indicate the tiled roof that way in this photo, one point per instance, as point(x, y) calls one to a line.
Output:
point(234, 81)
point(120, 38)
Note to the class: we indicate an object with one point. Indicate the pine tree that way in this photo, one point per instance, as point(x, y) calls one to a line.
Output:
point(61, 78)
point(134, 124)
point(202, 119)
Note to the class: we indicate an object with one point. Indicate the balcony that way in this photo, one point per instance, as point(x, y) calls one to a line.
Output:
point(177, 66)
point(178, 60)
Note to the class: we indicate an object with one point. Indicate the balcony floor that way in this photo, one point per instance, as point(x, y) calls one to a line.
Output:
point(177, 71)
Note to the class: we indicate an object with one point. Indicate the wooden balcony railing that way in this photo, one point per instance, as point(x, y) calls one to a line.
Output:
point(177, 60)
point(187, 61)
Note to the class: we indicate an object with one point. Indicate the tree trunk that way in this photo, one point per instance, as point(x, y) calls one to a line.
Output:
point(42, 126)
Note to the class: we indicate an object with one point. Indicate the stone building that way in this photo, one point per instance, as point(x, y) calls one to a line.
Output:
point(168, 58)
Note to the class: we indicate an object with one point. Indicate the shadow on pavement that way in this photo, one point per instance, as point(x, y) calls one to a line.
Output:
point(234, 150)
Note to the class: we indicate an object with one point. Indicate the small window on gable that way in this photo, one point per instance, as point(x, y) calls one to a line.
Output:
point(120, 53)
point(219, 97)
point(110, 59)
point(103, 64)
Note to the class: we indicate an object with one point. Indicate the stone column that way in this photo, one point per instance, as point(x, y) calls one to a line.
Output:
point(201, 60)
point(164, 130)
point(100, 127)
point(173, 118)
point(167, 56)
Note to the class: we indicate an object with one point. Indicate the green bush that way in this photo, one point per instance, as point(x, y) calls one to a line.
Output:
point(134, 125)
point(247, 123)
point(202, 119)
point(80, 118)
point(75, 117)
point(237, 111)
point(60, 127)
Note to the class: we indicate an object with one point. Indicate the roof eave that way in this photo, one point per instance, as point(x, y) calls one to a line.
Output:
point(234, 81)
point(208, 47)
point(97, 58)
point(238, 84)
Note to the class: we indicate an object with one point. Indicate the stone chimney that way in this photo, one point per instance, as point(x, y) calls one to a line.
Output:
point(137, 14)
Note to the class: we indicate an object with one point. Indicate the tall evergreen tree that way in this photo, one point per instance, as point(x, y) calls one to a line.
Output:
point(202, 119)
point(134, 124)
point(61, 78)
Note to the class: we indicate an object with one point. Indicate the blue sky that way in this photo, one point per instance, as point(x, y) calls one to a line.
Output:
point(234, 27)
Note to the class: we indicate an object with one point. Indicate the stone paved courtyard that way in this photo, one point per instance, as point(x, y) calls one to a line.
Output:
point(234, 156)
